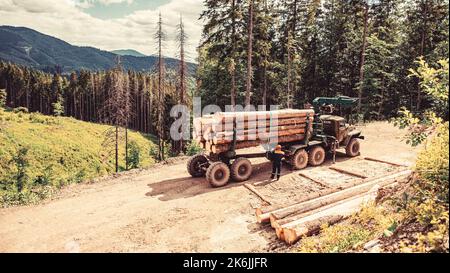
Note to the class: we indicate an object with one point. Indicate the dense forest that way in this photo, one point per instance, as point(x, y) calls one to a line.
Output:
point(265, 52)
point(262, 52)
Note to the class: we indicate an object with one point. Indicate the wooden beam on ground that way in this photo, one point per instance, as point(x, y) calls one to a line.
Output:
point(348, 172)
point(278, 225)
point(383, 161)
point(257, 193)
point(293, 234)
point(323, 184)
point(336, 197)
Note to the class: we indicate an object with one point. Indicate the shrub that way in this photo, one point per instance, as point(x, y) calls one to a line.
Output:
point(193, 149)
point(22, 110)
point(2, 98)
point(134, 155)
point(432, 166)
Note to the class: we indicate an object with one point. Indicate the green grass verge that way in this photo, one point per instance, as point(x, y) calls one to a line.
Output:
point(58, 151)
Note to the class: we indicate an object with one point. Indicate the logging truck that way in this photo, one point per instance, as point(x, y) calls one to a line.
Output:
point(306, 137)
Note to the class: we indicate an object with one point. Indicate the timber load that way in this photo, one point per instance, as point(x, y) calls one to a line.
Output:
point(215, 133)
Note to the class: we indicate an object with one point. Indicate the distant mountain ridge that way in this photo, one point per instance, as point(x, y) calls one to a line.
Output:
point(128, 52)
point(28, 47)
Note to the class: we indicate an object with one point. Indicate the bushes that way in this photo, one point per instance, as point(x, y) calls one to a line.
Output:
point(429, 203)
point(134, 155)
point(432, 166)
point(193, 149)
point(370, 222)
point(60, 151)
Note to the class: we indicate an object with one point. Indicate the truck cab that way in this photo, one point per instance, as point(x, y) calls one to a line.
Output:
point(338, 127)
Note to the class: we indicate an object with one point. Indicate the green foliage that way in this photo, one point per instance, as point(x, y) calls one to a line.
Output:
point(432, 166)
point(21, 163)
point(2, 98)
point(352, 234)
point(60, 151)
point(58, 107)
point(134, 155)
point(434, 82)
point(193, 149)
point(19, 110)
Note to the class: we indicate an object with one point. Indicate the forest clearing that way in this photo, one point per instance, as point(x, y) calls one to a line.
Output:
point(163, 209)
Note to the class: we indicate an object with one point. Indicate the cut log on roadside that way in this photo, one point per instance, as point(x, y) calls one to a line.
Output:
point(257, 193)
point(383, 161)
point(263, 213)
point(335, 197)
point(348, 172)
point(279, 224)
point(293, 234)
point(293, 231)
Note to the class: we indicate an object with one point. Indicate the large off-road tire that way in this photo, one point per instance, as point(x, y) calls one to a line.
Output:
point(353, 148)
point(317, 156)
point(241, 169)
point(299, 160)
point(195, 164)
point(218, 174)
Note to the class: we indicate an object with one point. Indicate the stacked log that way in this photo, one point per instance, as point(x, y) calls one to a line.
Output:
point(215, 132)
point(295, 221)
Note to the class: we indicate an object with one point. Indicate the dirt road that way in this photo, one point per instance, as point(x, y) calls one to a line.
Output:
point(164, 210)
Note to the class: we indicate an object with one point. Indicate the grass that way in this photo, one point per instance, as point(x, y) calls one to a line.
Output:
point(352, 234)
point(415, 219)
point(56, 151)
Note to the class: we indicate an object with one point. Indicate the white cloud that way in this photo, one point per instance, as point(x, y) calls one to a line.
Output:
point(65, 19)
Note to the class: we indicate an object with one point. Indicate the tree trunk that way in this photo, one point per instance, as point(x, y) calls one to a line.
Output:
point(249, 56)
point(363, 57)
point(117, 149)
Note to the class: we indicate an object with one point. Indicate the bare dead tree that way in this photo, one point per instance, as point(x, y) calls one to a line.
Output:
point(182, 38)
point(115, 111)
point(160, 37)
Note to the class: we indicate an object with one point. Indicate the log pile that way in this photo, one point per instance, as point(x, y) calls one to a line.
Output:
point(214, 133)
point(295, 221)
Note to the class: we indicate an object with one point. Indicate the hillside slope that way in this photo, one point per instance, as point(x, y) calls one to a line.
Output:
point(28, 47)
point(55, 152)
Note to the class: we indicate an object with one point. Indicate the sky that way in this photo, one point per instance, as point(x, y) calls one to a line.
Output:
point(109, 24)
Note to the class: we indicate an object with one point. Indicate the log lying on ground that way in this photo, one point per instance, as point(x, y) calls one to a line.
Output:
point(324, 198)
point(294, 231)
point(348, 172)
point(278, 225)
point(293, 234)
point(338, 196)
point(257, 193)
point(383, 161)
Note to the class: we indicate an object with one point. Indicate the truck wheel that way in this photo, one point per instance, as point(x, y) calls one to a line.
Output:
point(300, 160)
point(353, 148)
point(241, 169)
point(316, 156)
point(218, 174)
point(195, 165)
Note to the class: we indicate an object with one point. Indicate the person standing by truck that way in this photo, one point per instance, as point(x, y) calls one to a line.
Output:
point(276, 157)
